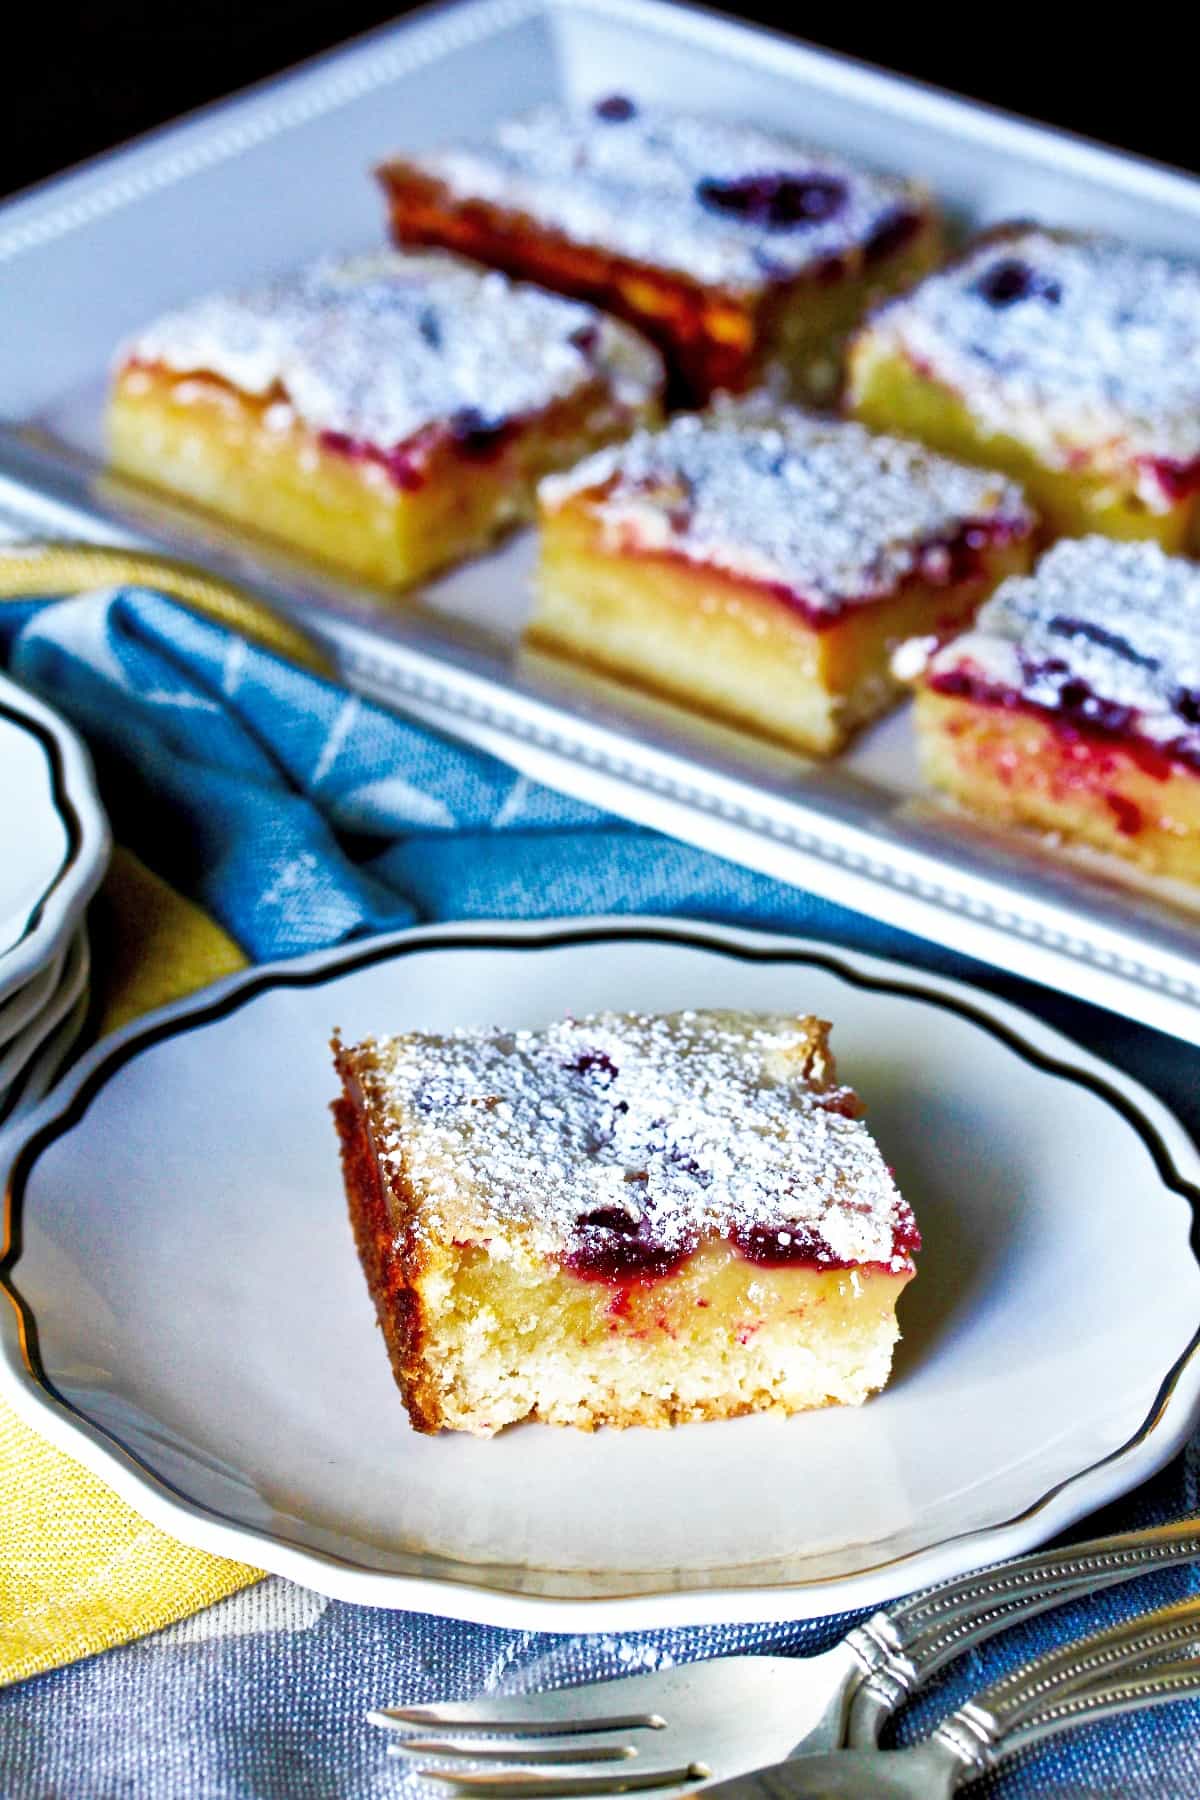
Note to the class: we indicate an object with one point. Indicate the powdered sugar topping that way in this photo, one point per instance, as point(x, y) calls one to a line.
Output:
point(820, 506)
point(377, 348)
point(1108, 631)
point(1067, 343)
point(662, 188)
point(661, 1130)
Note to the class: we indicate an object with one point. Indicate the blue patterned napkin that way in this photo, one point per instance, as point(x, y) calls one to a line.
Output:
point(301, 816)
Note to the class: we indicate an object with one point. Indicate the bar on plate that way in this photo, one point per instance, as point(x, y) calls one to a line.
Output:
point(625, 1219)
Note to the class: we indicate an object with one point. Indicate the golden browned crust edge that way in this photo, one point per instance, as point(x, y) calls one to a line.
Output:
point(382, 1208)
point(817, 1063)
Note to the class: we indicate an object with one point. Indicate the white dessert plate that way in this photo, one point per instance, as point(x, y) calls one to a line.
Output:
point(188, 1317)
point(21, 1008)
point(36, 838)
point(54, 839)
point(34, 1047)
point(48, 1061)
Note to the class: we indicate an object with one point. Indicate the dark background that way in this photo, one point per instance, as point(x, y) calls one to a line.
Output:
point(91, 76)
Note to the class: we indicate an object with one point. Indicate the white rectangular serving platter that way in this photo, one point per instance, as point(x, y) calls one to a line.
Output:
point(282, 173)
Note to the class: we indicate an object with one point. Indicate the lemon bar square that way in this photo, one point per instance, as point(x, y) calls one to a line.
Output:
point(761, 564)
point(741, 252)
point(390, 414)
point(1073, 705)
point(1073, 362)
point(621, 1220)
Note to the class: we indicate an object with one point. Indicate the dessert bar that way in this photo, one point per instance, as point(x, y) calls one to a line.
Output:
point(1072, 362)
point(740, 252)
point(1074, 703)
point(762, 564)
point(388, 413)
point(621, 1220)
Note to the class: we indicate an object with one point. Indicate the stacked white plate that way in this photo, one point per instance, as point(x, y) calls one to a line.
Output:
point(54, 845)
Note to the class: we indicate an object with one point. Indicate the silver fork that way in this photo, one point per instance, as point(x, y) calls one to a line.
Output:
point(712, 1720)
point(1172, 1630)
point(1131, 1665)
point(1113, 1671)
point(963, 1748)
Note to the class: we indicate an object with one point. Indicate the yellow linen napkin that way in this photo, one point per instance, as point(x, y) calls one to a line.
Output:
point(80, 1571)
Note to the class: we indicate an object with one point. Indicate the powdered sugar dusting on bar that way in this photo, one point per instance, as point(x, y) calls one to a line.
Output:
point(1095, 347)
point(630, 182)
point(821, 506)
point(379, 347)
point(685, 1125)
point(1098, 625)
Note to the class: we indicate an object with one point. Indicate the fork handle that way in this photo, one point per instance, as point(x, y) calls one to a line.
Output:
point(1077, 1567)
point(970, 1735)
point(1106, 1660)
point(893, 1677)
point(899, 1651)
point(1170, 1632)
point(958, 1634)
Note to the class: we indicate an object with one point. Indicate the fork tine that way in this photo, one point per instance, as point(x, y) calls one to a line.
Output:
point(518, 1782)
point(448, 1718)
point(512, 1753)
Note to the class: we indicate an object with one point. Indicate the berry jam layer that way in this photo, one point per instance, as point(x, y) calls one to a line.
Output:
point(468, 433)
point(1103, 639)
point(1178, 479)
point(470, 441)
point(611, 1248)
point(715, 1297)
point(947, 564)
point(1089, 727)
